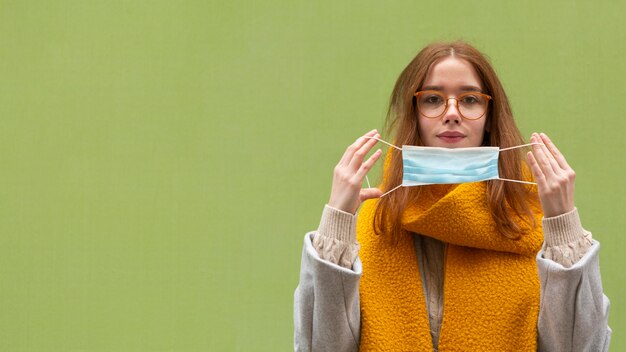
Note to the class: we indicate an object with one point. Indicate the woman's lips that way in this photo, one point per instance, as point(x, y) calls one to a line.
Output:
point(451, 137)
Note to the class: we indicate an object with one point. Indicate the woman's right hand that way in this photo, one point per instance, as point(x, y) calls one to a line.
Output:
point(347, 194)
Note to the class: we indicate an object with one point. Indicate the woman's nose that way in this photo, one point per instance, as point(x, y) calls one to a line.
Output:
point(452, 113)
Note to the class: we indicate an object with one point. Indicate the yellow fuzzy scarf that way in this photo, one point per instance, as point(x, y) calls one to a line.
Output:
point(491, 284)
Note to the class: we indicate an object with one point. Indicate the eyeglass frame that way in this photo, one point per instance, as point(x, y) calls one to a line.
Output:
point(456, 99)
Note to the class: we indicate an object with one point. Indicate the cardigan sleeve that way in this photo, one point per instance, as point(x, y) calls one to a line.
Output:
point(326, 304)
point(327, 314)
point(573, 314)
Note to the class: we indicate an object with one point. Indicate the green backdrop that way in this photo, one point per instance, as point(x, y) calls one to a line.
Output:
point(160, 161)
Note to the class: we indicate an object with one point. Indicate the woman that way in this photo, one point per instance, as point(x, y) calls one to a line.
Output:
point(451, 265)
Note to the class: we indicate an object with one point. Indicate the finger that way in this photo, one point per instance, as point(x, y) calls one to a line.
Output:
point(536, 170)
point(367, 166)
point(553, 163)
point(369, 193)
point(359, 155)
point(347, 156)
point(560, 159)
point(539, 153)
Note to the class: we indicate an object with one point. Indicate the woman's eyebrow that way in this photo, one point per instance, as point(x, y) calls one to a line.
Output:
point(432, 88)
point(471, 89)
point(462, 88)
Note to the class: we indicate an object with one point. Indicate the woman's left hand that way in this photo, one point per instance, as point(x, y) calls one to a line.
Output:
point(554, 177)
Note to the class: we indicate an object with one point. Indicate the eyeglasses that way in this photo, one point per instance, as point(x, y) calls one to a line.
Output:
point(433, 104)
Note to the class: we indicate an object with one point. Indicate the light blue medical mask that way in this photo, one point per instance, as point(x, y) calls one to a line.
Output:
point(434, 165)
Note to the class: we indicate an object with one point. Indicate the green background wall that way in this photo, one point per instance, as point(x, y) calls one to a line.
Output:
point(160, 161)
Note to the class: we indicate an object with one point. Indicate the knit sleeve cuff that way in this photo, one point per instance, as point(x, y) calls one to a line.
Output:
point(566, 242)
point(335, 239)
point(338, 224)
point(562, 229)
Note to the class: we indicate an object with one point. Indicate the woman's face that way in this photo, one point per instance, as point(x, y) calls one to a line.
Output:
point(452, 76)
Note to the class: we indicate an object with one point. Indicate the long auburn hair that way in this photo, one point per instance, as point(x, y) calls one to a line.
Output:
point(500, 131)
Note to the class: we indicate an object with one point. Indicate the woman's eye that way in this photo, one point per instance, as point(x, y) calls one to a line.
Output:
point(470, 99)
point(433, 99)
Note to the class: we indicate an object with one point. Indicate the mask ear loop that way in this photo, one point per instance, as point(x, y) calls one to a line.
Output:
point(387, 143)
point(386, 193)
point(367, 179)
point(515, 147)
